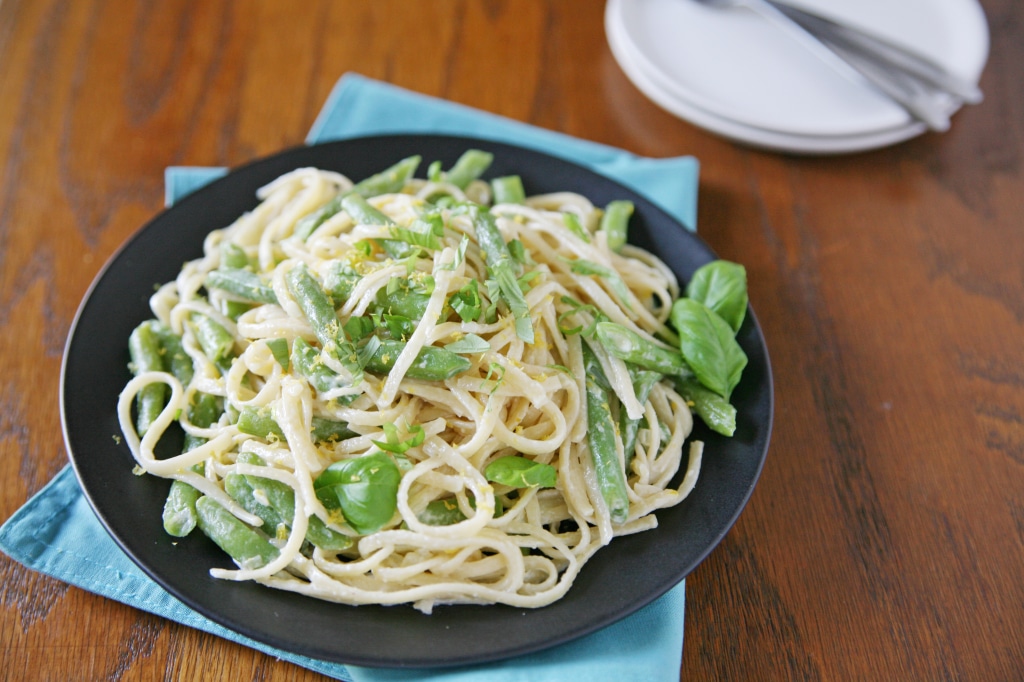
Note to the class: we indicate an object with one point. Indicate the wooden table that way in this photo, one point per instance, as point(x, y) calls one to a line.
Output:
point(885, 540)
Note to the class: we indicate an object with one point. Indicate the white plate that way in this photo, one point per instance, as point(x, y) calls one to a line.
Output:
point(733, 72)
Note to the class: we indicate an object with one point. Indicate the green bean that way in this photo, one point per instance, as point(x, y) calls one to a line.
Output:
point(468, 167)
point(643, 383)
point(242, 283)
point(611, 477)
point(307, 363)
point(234, 309)
point(405, 302)
point(247, 547)
point(502, 267)
point(204, 411)
point(389, 180)
point(237, 486)
point(175, 357)
point(233, 256)
point(615, 223)
point(214, 339)
point(431, 364)
point(630, 346)
point(339, 281)
point(260, 422)
point(316, 306)
point(713, 409)
point(144, 349)
point(362, 212)
point(281, 498)
point(179, 515)
point(508, 190)
point(309, 222)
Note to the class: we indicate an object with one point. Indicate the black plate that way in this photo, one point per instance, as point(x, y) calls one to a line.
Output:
point(620, 579)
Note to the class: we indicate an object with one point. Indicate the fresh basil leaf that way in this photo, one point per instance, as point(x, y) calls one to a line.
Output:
point(708, 345)
point(358, 328)
point(396, 445)
point(279, 348)
point(466, 302)
point(470, 343)
point(364, 489)
point(721, 285)
point(520, 472)
point(460, 255)
point(572, 221)
point(418, 235)
point(399, 326)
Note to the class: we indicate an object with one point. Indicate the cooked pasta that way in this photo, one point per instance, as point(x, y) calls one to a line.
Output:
point(430, 436)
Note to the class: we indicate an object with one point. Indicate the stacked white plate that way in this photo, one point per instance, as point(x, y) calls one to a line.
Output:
point(737, 74)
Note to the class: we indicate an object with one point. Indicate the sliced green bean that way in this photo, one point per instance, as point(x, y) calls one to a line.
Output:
point(643, 383)
point(362, 212)
point(260, 422)
point(713, 409)
point(389, 180)
point(309, 222)
point(214, 339)
point(237, 486)
point(179, 515)
point(316, 306)
point(307, 362)
point(431, 364)
point(403, 301)
point(175, 357)
point(502, 268)
point(233, 256)
point(339, 281)
point(615, 223)
point(624, 343)
point(611, 477)
point(144, 350)
point(468, 167)
point(246, 546)
point(281, 498)
point(243, 284)
point(508, 190)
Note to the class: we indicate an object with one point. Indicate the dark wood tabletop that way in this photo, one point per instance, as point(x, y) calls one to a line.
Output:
point(885, 539)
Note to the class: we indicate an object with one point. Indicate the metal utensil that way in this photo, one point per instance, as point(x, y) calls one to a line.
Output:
point(924, 89)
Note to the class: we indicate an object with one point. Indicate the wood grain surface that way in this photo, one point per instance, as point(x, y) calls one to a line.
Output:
point(885, 540)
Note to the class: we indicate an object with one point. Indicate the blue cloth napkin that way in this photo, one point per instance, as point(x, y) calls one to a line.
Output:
point(57, 533)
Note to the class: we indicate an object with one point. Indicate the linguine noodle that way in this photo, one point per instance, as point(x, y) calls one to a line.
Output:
point(516, 545)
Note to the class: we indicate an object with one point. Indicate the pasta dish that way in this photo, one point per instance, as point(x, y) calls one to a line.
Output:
point(427, 390)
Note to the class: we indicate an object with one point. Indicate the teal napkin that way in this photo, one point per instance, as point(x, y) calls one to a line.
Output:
point(56, 532)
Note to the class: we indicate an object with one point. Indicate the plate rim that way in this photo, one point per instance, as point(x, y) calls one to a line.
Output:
point(572, 633)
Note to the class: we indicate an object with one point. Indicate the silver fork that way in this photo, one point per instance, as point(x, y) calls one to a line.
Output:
point(924, 89)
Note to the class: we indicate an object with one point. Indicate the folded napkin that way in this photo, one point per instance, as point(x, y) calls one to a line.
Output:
point(57, 533)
